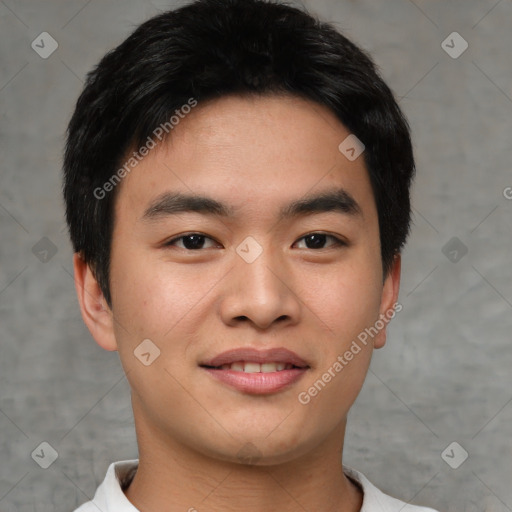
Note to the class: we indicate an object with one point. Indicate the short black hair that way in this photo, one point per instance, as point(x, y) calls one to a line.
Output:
point(213, 48)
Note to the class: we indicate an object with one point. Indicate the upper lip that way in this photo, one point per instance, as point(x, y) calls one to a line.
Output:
point(273, 355)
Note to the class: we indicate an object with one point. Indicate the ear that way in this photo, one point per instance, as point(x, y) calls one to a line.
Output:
point(389, 301)
point(94, 308)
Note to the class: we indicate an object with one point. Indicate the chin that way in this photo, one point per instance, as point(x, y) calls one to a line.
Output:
point(262, 449)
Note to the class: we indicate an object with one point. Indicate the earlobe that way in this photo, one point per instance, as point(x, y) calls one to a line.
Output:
point(96, 314)
point(389, 300)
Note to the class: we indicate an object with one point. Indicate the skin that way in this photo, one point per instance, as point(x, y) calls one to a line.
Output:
point(255, 154)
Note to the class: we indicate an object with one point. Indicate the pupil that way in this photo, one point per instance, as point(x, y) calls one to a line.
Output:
point(196, 241)
point(320, 241)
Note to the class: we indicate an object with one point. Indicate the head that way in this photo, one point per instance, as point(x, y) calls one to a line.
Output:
point(244, 105)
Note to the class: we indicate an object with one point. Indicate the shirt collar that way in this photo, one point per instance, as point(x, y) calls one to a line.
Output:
point(110, 496)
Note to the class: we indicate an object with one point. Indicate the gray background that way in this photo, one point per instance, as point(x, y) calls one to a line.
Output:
point(444, 375)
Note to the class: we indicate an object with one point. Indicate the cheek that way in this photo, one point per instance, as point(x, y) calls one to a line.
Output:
point(141, 295)
point(346, 299)
point(157, 300)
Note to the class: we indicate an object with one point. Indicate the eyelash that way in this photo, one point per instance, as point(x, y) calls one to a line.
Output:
point(337, 241)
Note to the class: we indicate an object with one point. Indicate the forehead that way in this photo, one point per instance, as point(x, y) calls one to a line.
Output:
point(248, 150)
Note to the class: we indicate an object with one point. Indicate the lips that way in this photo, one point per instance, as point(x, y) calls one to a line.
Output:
point(257, 372)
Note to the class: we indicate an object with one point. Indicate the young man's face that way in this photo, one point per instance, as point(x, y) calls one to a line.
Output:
point(257, 281)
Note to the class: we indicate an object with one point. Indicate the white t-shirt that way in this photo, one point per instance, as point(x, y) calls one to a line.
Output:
point(110, 497)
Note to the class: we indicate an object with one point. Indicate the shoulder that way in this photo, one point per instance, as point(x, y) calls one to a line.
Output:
point(109, 496)
point(375, 500)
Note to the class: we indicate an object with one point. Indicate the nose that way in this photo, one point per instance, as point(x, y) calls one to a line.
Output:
point(261, 293)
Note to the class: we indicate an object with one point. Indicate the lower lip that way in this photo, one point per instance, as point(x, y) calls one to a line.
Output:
point(258, 383)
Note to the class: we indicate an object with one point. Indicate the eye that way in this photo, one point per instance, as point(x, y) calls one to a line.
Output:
point(198, 241)
point(191, 241)
point(317, 240)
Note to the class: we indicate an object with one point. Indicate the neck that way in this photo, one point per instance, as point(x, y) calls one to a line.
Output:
point(174, 477)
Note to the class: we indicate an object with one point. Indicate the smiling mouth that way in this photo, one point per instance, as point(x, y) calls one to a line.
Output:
point(256, 372)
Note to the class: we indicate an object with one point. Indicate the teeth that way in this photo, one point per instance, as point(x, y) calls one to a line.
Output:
point(250, 367)
point(268, 367)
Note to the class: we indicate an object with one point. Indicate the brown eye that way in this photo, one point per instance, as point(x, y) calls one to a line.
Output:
point(318, 240)
point(192, 241)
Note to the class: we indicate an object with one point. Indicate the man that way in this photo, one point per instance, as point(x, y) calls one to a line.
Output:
point(237, 191)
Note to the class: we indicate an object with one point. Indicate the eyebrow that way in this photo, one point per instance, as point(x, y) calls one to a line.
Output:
point(338, 200)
